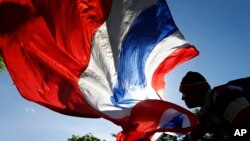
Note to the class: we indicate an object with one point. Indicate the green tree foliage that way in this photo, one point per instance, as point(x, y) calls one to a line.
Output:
point(1, 64)
point(167, 137)
point(90, 137)
point(87, 137)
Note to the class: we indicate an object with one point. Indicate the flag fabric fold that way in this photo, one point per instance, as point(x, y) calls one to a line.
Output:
point(97, 59)
point(151, 116)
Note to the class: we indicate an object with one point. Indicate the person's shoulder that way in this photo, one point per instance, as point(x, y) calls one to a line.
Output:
point(219, 92)
point(242, 82)
point(227, 91)
point(223, 95)
point(222, 89)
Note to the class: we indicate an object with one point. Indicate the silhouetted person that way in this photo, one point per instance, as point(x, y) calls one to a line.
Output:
point(223, 108)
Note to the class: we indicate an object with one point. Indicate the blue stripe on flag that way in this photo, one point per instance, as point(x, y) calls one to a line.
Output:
point(151, 26)
point(176, 122)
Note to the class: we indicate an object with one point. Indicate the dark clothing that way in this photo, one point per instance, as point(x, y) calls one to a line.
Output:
point(222, 105)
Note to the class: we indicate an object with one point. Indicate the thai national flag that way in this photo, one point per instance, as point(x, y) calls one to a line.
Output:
point(97, 58)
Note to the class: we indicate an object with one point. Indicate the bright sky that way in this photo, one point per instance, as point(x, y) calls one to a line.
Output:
point(218, 28)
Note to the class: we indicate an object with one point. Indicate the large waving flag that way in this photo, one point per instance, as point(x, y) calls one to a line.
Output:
point(97, 58)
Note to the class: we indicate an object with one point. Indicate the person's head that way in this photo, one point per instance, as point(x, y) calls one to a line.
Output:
point(194, 88)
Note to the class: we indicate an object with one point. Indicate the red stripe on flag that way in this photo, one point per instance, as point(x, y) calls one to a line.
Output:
point(179, 56)
point(46, 54)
